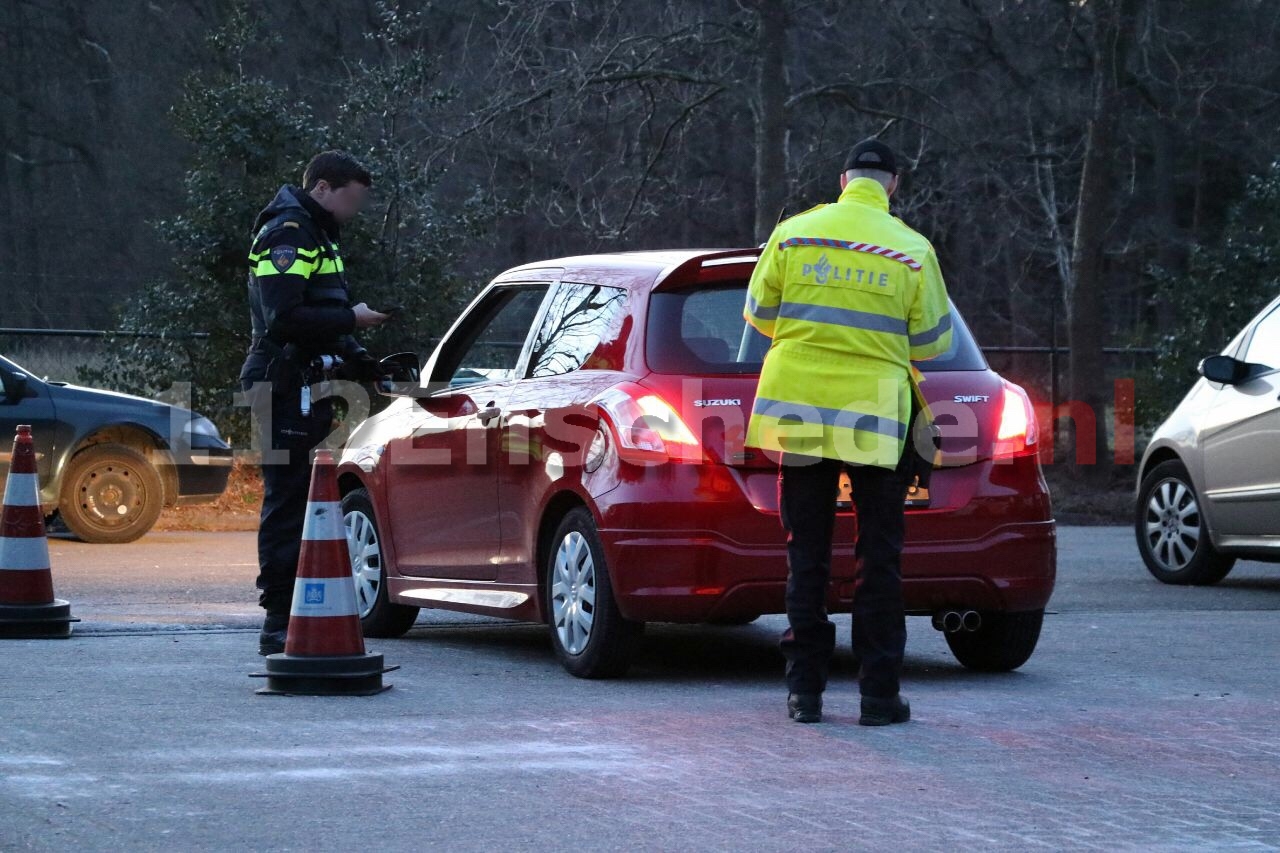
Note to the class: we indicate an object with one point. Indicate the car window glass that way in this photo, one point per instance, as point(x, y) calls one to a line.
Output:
point(8, 376)
point(702, 331)
point(491, 351)
point(579, 318)
point(1264, 346)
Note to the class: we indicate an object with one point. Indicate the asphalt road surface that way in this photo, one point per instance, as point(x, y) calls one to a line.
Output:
point(1146, 720)
point(172, 580)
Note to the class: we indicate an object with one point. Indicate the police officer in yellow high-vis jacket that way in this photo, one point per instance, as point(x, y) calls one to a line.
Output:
point(850, 296)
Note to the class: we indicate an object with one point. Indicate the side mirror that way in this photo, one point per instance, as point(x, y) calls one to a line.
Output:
point(1223, 369)
point(403, 375)
point(401, 367)
point(15, 387)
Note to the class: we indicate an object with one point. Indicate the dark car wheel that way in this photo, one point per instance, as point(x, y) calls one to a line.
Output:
point(591, 637)
point(1003, 643)
point(110, 493)
point(379, 617)
point(1173, 536)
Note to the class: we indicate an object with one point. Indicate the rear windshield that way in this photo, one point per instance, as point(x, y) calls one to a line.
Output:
point(702, 331)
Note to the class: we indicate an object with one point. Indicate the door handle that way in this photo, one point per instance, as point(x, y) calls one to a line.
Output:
point(488, 413)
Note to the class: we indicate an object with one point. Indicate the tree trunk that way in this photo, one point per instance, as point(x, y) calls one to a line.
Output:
point(1087, 326)
point(1170, 254)
point(771, 117)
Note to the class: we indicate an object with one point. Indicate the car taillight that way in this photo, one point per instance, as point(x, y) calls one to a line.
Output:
point(648, 430)
point(1018, 431)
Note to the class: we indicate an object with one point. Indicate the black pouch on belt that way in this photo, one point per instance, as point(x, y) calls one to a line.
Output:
point(286, 373)
point(923, 437)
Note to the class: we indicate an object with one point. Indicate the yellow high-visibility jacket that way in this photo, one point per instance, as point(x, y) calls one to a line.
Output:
point(851, 296)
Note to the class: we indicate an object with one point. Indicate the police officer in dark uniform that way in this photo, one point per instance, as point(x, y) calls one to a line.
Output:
point(302, 324)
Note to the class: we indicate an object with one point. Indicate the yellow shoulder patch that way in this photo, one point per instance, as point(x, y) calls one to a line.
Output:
point(292, 225)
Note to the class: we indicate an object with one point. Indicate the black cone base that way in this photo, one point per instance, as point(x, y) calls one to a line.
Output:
point(50, 621)
point(350, 675)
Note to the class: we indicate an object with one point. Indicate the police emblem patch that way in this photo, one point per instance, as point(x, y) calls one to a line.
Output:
point(283, 257)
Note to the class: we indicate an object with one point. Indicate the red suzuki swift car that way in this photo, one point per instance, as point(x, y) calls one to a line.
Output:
point(573, 455)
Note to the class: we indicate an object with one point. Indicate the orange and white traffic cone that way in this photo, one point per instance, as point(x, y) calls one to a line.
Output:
point(324, 652)
point(28, 609)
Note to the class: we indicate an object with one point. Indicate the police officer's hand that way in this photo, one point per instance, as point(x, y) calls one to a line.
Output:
point(366, 316)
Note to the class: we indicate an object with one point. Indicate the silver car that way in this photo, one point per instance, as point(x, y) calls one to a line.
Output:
point(1209, 482)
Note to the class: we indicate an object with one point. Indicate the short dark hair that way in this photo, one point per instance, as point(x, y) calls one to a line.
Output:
point(337, 168)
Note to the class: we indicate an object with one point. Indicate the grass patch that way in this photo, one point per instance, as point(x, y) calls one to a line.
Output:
point(236, 509)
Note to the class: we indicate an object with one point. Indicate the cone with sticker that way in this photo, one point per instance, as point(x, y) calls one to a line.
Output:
point(324, 652)
point(28, 609)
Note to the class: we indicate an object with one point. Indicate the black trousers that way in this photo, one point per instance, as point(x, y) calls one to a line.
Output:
point(286, 480)
point(808, 489)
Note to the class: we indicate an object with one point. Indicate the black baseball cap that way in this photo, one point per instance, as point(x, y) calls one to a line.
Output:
point(872, 154)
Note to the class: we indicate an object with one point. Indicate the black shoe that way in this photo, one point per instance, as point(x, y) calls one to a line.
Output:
point(805, 707)
point(883, 712)
point(275, 629)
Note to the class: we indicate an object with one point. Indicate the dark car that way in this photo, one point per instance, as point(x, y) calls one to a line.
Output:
point(575, 456)
point(108, 462)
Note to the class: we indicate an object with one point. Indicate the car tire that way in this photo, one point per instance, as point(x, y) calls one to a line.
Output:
point(591, 637)
point(379, 616)
point(1003, 643)
point(1172, 533)
point(110, 493)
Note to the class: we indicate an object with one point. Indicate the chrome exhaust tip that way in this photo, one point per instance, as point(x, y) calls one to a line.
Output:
point(948, 621)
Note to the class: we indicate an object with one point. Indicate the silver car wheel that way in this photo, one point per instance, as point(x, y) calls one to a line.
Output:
point(1173, 524)
point(573, 593)
point(366, 559)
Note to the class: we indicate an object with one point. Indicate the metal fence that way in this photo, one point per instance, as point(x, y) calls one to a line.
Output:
point(59, 354)
point(94, 333)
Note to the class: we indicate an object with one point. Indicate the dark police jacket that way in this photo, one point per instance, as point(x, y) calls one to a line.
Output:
point(299, 302)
